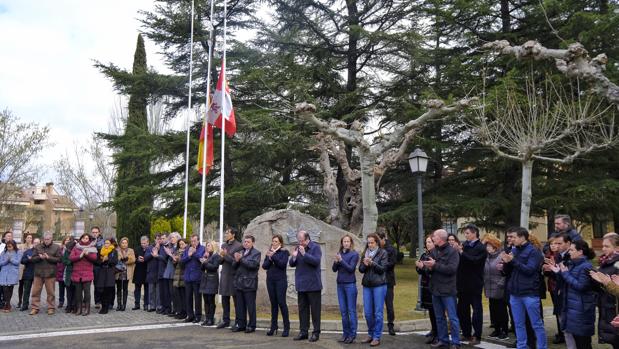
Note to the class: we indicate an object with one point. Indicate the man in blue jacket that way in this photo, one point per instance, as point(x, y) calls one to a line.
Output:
point(306, 258)
point(525, 263)
point(192, 276)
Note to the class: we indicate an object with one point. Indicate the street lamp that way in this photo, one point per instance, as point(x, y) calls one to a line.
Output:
point(418, 161)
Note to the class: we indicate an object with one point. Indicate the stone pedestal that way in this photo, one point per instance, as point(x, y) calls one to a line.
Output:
point(287, 223)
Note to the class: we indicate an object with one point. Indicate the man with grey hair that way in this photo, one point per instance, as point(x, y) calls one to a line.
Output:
point(45, 256)
point(443, 267)
point(563, 225)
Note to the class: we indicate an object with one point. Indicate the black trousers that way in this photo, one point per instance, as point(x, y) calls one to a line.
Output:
point(209, 306)
point(309, 304)
point(466, 301)
point(434, 330)
point(225, 304)
point(20, 291)
point(246, 308)
point(61, 289)
point(82, 293)
point(389, 305)
point(25, 302)
point(193, 299)
point(122, 290)
point(498, 314)
point(277, 297)
point(107, 296)
point(70, 296)
point(179, 300)
point(7, 294)
point(164, 292)
point(137, 295)
point(98, 291)
point(582, 342)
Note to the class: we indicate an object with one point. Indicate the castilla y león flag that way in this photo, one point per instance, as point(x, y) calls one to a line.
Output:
point(209, 149)
point(217, 109)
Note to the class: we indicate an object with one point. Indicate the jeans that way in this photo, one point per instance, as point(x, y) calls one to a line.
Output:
point(373, 303)
point(441, 305)
point(521, 307)
point(277, 298)
point(347, 299)
point(466, 301)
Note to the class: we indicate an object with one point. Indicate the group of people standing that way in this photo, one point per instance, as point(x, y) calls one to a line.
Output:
point(515, 275)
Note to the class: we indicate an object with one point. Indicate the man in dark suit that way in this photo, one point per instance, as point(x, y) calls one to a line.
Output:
point(246, 264)
point(139, 274)
point(471, 284)
point(226, 283)
point(306, 258)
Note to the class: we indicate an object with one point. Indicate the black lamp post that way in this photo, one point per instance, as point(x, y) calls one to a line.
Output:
point(418, 161)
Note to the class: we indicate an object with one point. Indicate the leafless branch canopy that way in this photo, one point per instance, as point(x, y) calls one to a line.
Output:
point(544, 124)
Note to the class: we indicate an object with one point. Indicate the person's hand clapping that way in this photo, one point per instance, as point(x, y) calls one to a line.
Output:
point(602, 278)
point(302, 250)
point(237, 256)
point(429, 263)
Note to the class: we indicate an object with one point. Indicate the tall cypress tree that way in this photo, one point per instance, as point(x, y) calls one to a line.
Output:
point(133, 200)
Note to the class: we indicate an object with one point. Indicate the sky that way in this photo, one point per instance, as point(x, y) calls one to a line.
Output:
point(46, 64)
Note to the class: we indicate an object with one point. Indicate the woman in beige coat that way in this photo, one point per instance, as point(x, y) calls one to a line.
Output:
point(124, 272)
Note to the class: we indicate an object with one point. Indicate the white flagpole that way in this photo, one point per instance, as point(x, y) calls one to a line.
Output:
point(188, 123)
point(204, 125)
point(223, 131)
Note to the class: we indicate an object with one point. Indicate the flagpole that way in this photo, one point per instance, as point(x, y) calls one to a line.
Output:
point(188, 124)
point(204, 124)
point(223, 130)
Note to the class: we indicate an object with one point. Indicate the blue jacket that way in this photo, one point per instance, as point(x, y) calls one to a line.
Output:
point(9, 262)
point(29, 266)
point(525, 271)
point(151, 266)
point(307, 274)
point(578, 315)
point(276, 265)
point(192, 264)
point(346, 267)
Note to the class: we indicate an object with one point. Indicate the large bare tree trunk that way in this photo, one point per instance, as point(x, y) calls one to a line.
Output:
point(368, 193)
point(525, 206)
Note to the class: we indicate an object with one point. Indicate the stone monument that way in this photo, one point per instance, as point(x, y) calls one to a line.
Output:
point(287, 223)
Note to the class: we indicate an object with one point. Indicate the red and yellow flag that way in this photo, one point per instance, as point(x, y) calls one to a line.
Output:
point(209, 149)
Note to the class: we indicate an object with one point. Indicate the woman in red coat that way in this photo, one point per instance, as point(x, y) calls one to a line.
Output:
point(83, 255)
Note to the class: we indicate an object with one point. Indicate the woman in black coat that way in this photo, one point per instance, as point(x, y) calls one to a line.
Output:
point(275, 263)
point(607, 303)
point(105, 280)
point(209, 283)
point(426, 294)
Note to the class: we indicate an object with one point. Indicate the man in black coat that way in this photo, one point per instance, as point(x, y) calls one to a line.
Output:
point(226, 281)
point(392, 256)
point(247, 264)
point(471, 284)
point(139, 274)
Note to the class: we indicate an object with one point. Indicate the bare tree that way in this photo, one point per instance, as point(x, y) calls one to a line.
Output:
point(20, 145)
point(545, 125)
point(375, 157)
point(574, 62)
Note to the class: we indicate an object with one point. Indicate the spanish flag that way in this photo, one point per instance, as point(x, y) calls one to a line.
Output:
point(209, 148)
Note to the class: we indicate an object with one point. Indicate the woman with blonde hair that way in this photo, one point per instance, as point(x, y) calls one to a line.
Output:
point(209, 283)
point(124, 272)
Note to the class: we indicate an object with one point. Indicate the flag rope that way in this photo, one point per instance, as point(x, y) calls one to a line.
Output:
point(188, 122)
point(204, 124)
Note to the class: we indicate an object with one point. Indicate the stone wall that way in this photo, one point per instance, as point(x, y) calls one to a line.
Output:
point(288, 223)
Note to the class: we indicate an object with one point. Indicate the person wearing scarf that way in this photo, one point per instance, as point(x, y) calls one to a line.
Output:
point(83, 256)
point(105, 280)
point(126, 257)
point(374, 283)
